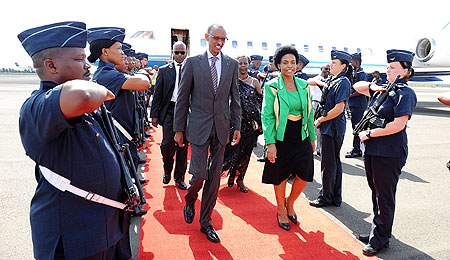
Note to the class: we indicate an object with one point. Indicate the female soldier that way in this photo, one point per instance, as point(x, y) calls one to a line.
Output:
point(332, 129)
point(106, 45)
point(287, 119)
point(386, 148)
point(237, 157)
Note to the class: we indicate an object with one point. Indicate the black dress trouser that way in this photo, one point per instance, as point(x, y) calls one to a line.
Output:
point(169, 148)
point(382, 175)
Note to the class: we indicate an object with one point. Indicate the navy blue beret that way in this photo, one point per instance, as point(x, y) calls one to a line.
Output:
point(303, 59)
point(356, 56)
point(143, 55)
point(132, 53)
point(126, 46)
point(399, 55)
point(64, 34)
point(342, 55)
point(256, 57)
point(106, 33)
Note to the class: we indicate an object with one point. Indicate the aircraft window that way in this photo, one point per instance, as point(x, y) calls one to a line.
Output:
point(321, 49)
point(306, 48)
point(264, 45)
point(250, 45)
point(345, 49)
point(333, 48)
point(143, 35)
point(358, 49)
point(203, 42)
point(278, 45)
point(370, 51)
point(234, 44)
point(293, 45)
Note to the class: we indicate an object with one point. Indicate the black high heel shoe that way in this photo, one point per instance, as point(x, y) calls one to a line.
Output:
point(241, 188)
point(284, 226)
point(230, 181)
point(291, 218)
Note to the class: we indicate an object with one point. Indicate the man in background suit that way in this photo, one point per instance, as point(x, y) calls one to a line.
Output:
point(209, 91)
point(162, 111)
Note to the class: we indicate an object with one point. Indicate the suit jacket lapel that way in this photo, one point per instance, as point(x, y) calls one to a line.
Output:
point(204, 65)
point(224, 71)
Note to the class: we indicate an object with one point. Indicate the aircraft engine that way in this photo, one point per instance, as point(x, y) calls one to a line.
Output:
point(433, 52)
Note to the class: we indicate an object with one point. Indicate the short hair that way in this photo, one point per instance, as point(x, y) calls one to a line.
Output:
point(243, 56)
point(39, 57)
point(214, 26)
point(283, 50)
point(179, 43)
point(408, 65)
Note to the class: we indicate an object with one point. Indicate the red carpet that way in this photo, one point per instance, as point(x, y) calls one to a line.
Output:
point(246, 223)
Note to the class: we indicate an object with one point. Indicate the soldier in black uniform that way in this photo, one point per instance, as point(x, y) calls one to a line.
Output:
point(357, 104)
point(387, 147)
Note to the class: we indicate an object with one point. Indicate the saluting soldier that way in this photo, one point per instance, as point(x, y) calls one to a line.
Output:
point(106, 45)
point(303, 61)
point(65, 141)
point(357, 104)
point(387, 147)
point(332, 129)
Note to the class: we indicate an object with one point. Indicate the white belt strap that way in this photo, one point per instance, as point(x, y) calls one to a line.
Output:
point(63, 184)
point(122, 130)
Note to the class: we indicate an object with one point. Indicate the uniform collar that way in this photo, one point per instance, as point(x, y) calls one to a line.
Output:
point(401, 83)
point(103, 64)
point(47, 85)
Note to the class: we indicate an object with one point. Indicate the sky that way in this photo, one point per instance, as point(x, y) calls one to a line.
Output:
point(386, 23)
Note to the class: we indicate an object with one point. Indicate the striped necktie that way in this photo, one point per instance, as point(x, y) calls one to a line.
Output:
point(214, 73)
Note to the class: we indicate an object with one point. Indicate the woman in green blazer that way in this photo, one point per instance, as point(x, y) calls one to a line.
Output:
point(288, 126)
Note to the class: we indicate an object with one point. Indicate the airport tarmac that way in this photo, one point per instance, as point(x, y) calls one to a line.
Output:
point(421, 227)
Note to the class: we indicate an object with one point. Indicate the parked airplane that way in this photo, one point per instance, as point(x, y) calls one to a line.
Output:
point(432, 53)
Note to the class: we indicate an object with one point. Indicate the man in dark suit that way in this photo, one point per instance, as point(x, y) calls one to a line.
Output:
point(209, 91)
point(162, 111)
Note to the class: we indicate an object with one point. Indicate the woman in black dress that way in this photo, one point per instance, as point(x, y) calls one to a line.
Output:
point(237, 158)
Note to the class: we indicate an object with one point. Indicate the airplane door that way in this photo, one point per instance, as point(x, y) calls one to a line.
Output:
point(180, 35)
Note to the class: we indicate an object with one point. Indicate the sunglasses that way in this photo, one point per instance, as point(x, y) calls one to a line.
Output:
point(179, 52)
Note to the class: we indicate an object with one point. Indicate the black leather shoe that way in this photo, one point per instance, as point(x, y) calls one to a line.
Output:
point(181, 185)
point(293, 219)
point(284, 226)
point(141, 161)
point(241, 186)
point(166, 178)
point(363, 238)
point(371, 251)
point(189, 213)
point(142, 181)
point(353, 154)
point(318, 203)
point(211, 234)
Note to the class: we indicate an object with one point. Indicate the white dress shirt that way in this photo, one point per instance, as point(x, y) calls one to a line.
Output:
point(218, 64)
point(177, 76)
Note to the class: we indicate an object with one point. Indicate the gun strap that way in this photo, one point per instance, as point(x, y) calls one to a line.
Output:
point(122, 130)
point(63, 184)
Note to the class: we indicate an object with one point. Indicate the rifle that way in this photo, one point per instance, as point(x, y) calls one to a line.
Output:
point(134, 191)
point(320, 111)
point(371, 116)
point(139, 123)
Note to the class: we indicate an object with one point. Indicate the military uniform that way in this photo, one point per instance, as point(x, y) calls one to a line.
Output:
point(76, 149)
point(122, 109)
point(300, 74)
point(386, 155)
point(357, 106)
point(332, 133)
point(254, 72)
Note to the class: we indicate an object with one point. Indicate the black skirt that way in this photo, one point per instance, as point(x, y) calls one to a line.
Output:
point(294, 156)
